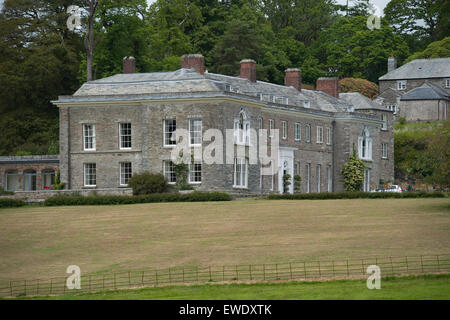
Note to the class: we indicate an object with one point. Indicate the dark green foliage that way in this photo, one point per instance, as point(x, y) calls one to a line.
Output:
point(148, 183)
point(353, 173)
point(297, 183)
point(356, 195)
point(58, 185)
point(286, 182)
point(78, 200)
point(5, 193)
point(11, 203)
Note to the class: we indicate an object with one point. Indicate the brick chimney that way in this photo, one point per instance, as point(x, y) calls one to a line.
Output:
point(129, 65)
point(328, 85)
point(193, 61)
point(392, 63)
point(248, 70)
point(293, 78)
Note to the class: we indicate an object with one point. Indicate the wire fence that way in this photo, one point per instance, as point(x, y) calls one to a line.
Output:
point(300, 271)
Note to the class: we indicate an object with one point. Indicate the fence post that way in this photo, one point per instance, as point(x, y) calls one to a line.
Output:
point(89, 282)
point(334, 274)
point(183, 274)
point(11, 288)
point(392, 266)
point(439, 266)
point(37, 287)
point(129, 278)
point(250, 267)
point(264, 272)
point(276, 270)
point(170, 277)
point(156, 277)
point(290, 269)
point(143, 277)
point(103, 281)
point(348, 271)
point(223, 273)
point(421, 263)
point(196, 268)
point(304, 268)
point(25, 287)
point(114, 280)
point(64, 286)
point(320, 274)
point(362, 265)
point(407, 268)
point(210, 277)
point(237, 273)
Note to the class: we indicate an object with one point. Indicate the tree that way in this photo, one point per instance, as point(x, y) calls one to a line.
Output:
point(437, 49)
point(89, 37)
point(350, 49)
point(439, 152)
point(363, 86)
point(425, 18)
point(353, 173)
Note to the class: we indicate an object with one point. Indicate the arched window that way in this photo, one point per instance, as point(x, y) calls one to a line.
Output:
point(48, 178)
point(242, 129)
point(365, 145)
point(12, 180)
point(29, 180)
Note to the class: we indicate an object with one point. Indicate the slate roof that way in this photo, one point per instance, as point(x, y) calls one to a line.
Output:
point(421, 69)
point(360, 101)
point(427, 91)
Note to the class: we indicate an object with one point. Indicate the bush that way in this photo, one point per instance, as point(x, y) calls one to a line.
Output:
point(356, 195)
point(77, 200)
point(148, 183)
point(10, 203)
point(5, 193)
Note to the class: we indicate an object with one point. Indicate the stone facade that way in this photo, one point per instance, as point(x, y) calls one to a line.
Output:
point(219, 109)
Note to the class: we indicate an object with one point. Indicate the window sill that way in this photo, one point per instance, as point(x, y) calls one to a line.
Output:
point(89, 187)
point(195, 183)
point(240, 187)
point(169, 146)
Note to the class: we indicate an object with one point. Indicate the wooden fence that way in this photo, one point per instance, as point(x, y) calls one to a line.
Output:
point(305, 270)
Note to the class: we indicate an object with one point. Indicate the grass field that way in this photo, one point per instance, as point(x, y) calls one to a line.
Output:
point(411, 288)
point(40, 242)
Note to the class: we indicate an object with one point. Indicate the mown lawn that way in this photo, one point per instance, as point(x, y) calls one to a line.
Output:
point(421, 288)
point(41, 242)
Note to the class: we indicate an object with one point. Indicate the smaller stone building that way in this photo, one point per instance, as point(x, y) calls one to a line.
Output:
point(430, 80)
point(28, 173)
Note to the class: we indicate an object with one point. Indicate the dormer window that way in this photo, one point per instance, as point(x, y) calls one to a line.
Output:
point(401, 85)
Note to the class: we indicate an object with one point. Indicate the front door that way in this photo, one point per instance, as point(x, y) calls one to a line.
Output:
point(286, 166)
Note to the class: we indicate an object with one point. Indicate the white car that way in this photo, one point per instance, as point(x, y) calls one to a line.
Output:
point(394, 188)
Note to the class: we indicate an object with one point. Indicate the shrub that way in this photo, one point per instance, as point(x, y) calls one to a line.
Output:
point(297, 183)
point(286, 182)
point(10, 203)
point(148, 183)
point(356, 195)
point(353, 173)
point(77, 200)
point(58, 185)
point(3, 192)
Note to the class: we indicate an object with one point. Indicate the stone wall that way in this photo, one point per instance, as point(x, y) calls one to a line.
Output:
point(36, 196)
point(423, 110)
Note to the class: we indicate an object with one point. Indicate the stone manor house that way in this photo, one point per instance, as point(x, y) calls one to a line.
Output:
point(114, 127)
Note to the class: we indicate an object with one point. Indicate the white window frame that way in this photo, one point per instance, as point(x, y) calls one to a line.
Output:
point(271, 127)
point(298, 131)
point(366, 185)
point(192, 170)
point(167, 165)
point(195, 134)
point(401, 84)
point(85, 173)
point(242, 135)
point(122, 135)
point(12, 173)
point(91, 135)
point(318, 176)
point(328, 136)
point(242, 173)
point(365, 146)
point(319, 135)
point(308, 177)
point(170, 143)
point(384, 151)
point(124, 175)
point(329, 180)
point(308, 133)
point(384, 119)
point(284, 129)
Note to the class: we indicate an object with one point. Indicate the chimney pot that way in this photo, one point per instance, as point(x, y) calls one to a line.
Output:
point(328, 85)
point(392, 63)
point(193, 61)
point(248, 70)
point(293, 78)
point(129, 65)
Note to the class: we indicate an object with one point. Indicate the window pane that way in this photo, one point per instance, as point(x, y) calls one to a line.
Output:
point(170, 126)
point(125, 172)
point(125, 135)
point(90, 175)
point(195, 131)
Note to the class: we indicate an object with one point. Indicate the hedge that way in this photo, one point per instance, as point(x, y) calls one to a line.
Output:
point(11, 203)
point(77, 200)
point(356, 195)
